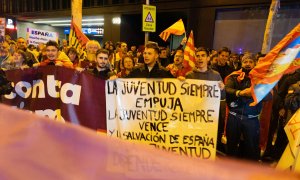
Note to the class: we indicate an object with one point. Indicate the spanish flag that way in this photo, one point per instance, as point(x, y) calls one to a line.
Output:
point(76, 38)
point(189, 52)
point(282, 59)
point(176, 29)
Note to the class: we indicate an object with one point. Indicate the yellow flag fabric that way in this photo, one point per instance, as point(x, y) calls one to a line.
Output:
point(290, 158)
point(77, 39)
point(189, 51)
point(176, 29)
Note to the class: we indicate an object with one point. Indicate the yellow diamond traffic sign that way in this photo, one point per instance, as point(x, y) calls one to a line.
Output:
point(149, 18)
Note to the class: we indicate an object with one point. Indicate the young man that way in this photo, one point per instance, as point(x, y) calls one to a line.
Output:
point(150, 68)
point(52, 52)
point(102, 69)
point(222, 67)
point(203, 72)
point(163, 57)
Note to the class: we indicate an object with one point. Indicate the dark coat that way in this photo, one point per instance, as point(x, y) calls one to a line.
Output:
point(156, 72)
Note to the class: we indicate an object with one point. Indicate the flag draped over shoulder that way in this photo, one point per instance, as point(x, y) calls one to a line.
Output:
point(176, 29)
point(189, 52)
point(76, 38)
point(282, 59)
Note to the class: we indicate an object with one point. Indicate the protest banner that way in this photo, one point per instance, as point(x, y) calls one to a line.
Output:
point(36, 36)
point(290, 158)
point(60, 93)
point(167, 114)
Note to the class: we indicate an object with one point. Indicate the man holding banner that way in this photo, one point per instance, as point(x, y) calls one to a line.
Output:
point(102, 69)
point(202, 72)
point(52, 51)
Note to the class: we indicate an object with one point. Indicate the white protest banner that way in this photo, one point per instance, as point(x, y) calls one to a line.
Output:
point(167, 114)
point(36, 36)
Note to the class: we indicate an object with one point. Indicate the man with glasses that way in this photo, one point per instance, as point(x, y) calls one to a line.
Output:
point(177, 68)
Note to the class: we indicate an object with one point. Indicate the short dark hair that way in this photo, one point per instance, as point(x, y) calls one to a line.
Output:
point(202, 49)
point(102, 51)
point(72, 50)
point(153, 45)
point(224, 49)
point(52, 43)
point(179, 50)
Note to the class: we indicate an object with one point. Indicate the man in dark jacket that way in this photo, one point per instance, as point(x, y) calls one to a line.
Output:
point(102, 69)
point(243, 119)
point(30, 58)
point(222, 67)
point(150, 68)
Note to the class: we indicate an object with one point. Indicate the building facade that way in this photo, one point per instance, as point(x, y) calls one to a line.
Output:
point(238, 24)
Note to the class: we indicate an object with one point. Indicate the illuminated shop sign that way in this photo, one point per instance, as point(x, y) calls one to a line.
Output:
point(88, 31)
point(10, 23)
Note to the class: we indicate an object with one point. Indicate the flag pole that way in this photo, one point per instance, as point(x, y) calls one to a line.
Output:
point(147, 33)
point(269, 26)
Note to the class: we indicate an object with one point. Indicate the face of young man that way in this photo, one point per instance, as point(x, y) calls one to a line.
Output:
point(150, 56)
point(234, 58)
point(124, 47)
point(223, 58)
point(201, 60)
point(178, 58)
point(102, 60)
point(133, 48)
point(163, 54)
point(52, 53)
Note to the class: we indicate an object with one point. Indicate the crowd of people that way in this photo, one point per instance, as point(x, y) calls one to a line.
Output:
point(238, 121)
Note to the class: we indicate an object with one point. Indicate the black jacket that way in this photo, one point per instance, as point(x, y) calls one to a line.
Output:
point(292, 99)
point(101, 74)
point(156, 72)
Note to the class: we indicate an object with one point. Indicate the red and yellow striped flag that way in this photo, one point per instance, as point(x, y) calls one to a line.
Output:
point(176, 29)
point(77, 39)
point(189, 52)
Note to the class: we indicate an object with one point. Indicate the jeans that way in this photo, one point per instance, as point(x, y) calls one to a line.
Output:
point(248, 129)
